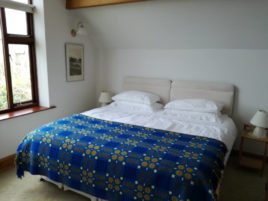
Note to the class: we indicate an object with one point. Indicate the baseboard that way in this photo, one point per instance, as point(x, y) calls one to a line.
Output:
point(7, 162)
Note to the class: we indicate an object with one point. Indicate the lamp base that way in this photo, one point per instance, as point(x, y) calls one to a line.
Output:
point(259, 132)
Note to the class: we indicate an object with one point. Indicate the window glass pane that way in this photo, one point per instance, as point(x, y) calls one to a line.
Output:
point(16, 22)
point(20, 73)
point(3, 91)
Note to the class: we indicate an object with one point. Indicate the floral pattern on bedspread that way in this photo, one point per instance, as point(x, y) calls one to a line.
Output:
point(123, 162)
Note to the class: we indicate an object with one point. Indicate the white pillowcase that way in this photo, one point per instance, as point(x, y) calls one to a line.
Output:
point(195, 105)
point(136, 107)
point(137, 97)
point(190, 116)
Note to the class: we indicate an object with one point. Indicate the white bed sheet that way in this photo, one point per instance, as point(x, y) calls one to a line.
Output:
point(223, 130)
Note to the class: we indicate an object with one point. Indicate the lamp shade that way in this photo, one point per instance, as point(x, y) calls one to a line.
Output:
point(260, 119)
point(105, 97)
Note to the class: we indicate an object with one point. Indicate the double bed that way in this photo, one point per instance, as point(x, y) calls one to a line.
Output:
point(121, 153)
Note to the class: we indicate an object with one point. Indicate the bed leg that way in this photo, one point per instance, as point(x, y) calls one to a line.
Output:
point(59, 185)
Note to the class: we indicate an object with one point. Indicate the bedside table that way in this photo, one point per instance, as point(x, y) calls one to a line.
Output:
point(250, 161)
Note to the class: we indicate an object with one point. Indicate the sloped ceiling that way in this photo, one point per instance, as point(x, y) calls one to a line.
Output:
point(180, 24)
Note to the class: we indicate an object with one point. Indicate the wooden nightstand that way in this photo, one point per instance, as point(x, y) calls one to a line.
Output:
point(250, 161)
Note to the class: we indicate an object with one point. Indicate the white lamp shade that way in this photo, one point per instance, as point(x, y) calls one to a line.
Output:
point(105, 97)
point(260, 119)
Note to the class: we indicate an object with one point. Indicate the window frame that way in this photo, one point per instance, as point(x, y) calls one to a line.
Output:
point(29, 40)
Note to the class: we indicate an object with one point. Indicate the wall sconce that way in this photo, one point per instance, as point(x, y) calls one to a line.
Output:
point(79, 29)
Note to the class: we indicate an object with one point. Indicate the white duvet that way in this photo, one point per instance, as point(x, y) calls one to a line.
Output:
point(221, 127)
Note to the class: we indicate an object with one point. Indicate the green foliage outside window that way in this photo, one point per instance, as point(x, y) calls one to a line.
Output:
point(3, 92)
point(21, 85)
point(3, 95)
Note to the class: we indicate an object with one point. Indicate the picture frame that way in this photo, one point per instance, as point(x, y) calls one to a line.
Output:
point(74, 54)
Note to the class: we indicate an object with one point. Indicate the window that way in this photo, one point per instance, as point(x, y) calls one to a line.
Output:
point(18, 80)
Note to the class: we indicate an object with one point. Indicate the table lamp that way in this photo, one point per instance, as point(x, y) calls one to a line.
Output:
point(105, 98)
point(260, 120)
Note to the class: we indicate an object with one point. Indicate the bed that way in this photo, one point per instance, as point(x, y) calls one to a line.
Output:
point(113, 154)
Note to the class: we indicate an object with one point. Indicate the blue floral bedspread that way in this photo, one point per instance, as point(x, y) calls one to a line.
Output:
point(122, 162)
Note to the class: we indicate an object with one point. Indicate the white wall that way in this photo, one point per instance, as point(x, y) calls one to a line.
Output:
point(181, 24)
point(246, 69)
point(212, 40)
point(69, 97)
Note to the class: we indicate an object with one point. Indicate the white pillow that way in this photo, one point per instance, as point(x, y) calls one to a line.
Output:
point(136, 107)
point(137, 97)
point(195, 105)
point(190, 116)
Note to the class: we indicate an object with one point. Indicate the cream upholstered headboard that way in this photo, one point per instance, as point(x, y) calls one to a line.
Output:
point(157, 86)
point(178, 89)
point(220, 92)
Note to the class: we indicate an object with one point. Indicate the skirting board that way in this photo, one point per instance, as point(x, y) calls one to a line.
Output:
point(7, 162)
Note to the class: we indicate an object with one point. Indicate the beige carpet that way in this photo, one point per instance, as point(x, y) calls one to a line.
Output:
point(238, 185)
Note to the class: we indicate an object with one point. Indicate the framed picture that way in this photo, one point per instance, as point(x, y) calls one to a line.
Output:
point(74, 62)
